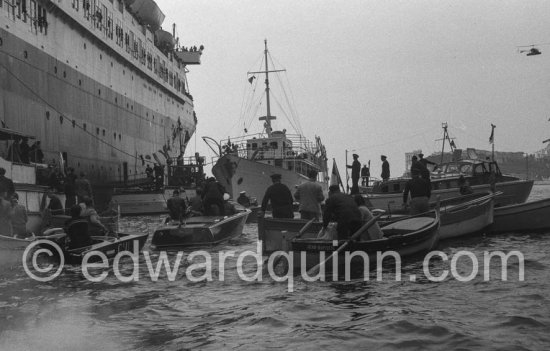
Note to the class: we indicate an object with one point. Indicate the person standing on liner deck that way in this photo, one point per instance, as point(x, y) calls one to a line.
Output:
point(355, 171)
point(280, 197)
point(310, 195)
point(385, 168)
point(420, 191)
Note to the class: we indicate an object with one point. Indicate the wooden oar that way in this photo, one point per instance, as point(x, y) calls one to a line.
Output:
point(300, 233)
point(315, 270)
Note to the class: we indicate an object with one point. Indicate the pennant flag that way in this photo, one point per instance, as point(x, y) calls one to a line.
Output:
point(251, 79)
point(335, 178)
point(492, 137)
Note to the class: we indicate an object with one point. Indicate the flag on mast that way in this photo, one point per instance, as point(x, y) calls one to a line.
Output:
point(335, 178)
point(492, 137)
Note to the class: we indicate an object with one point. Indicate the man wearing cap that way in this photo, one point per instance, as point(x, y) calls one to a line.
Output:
point(385, 168)
point(6, 185)
point(176, 206)
point(420, 191)
point(280, 197)
point(355, 171)
point(426, 173)
point(213, 198)
point(243, 199)
point(342, 209)
point(310, 195)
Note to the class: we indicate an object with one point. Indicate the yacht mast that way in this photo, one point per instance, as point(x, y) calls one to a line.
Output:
point(268, 117)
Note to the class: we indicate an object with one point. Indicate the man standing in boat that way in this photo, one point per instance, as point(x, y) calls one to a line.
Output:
point(425, 162)
point(83, 188)
point(385, 168)
point(355, 171)
point(365, 174)
point(280, 197)
point(176, 206)
point(310, 195)
point(420, 191)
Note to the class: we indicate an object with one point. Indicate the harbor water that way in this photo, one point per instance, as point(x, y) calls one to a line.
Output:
point(73, 313)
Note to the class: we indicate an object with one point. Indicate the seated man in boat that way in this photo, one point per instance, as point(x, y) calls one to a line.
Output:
point(280, 197)
point(464, 186)
point(195, 204)
point(374, 232)
point(55, 205)
point(77, 229)
point(176, 206)
point(89, 213)
point(213, 198)
point(420, 191)
point(342, 209)
point(243, 199)
point(228, 208)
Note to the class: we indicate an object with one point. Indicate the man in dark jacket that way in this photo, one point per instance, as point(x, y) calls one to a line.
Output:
point(280, 197)
point(176, 206)
point(342, 209)
point(385, 168)
point(355, 171)
point(420, 191)
point(212, 199)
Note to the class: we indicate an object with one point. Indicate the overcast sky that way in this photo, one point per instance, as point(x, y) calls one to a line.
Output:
point(377, 76)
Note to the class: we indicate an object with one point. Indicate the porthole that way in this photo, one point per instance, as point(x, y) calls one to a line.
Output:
point(119, 137)
point(100, 57)
point(97, 131)
point(74, 123)
point(127, 105)
point(25, 54)
point(114, 135)
point(84, 46)
point(48, 115)
point(111, 63)
point(55, 69)
point(103, 132)
point(60, 119)
point(116, 100)
point(1, 42)
point(64, 74)
point(84, 126)
point(80, 82)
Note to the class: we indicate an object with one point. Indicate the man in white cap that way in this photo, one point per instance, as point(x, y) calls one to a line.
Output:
point(243, 199)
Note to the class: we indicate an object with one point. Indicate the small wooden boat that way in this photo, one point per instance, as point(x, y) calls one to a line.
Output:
point(406, 237)
point(109, 246)
point(463, 215)
point(529, 216)
point(200, 231)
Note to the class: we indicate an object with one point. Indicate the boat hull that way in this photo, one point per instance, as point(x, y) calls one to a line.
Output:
point(238, 174)
point(109, 246)
point(399, 237)
point(200, 231)
point(513, 192)
point(11, 251)
point(467, 221)
point(529, 216)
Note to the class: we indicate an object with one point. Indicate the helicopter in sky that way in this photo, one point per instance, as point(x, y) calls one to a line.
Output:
point(530, 52)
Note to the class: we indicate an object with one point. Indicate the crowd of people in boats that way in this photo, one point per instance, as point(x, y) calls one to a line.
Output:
point(77, 191)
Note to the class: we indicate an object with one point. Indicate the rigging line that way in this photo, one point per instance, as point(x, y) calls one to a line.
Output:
point(290, 102)
point(285, 114)
point(64, 117)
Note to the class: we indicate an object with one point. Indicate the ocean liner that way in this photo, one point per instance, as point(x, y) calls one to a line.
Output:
point(98, 82)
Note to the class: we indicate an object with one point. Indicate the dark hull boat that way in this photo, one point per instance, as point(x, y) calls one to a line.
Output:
point(405, 237)
point(200, 231)
point(529, 216)
point(109, 246)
